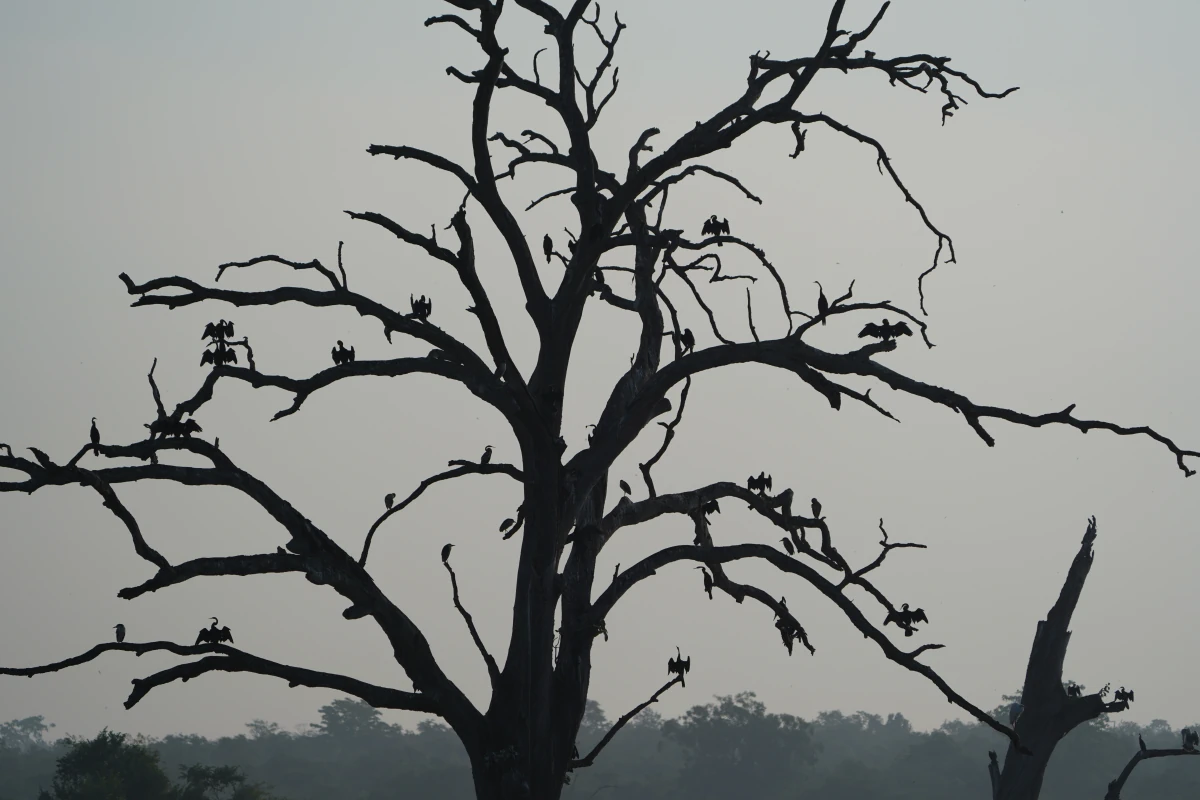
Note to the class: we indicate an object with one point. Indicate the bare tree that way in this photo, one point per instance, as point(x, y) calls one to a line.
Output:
point(622, 253)
point(1049, 709)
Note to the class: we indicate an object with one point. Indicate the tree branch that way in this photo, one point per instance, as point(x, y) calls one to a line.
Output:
point(721, 555)
point(493, 670)
point(1115, 787)
point(464, 468)
point(590, 758)
point(314, 264)
point(234, 660)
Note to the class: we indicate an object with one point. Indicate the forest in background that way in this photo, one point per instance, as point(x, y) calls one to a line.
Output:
point(730, 747)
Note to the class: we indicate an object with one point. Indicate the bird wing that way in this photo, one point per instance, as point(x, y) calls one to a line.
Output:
point(892, 617)
point(870, 329)
point(207, 358)
point(707, 230)
point(209, 331)
point(901, 329)
point(919, 616)
point(231, 356)
point(229, 330)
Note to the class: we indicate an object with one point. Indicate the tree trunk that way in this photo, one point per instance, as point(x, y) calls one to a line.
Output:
point(1048, 713)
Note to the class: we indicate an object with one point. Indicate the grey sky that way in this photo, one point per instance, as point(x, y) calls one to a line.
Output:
point(164, 139)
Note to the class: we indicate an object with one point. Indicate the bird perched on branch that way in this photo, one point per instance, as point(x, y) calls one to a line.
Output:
point(816, 508)
point(679, 666)
point(214, 635)
point(389, 498)
point(342, 354)
point(624, 487)
point(547, 247)
point(788, 546)
point(1074, 690)
point(715, 227)
point(885, 331)
point(1123, 695)
point(708, 582)
point(95, 435)
point(906, 619)
point(487, 455)
point(711, 507)
point(761, 484)
point(421, 308)
point(822, 303)
point(446, 553)
point(1141, 743)
point(687, 341)
point(120, 629)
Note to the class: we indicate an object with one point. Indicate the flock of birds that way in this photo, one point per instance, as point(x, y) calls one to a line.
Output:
point(219, 334)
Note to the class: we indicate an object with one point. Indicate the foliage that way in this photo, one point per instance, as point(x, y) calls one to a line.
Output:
point(707, 752)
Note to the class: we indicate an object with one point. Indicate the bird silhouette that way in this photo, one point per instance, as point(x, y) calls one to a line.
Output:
point(687, 340)
point(624, 487)
point(487, 455)
point(822, 303)
point(389, 498)
point(342, 354)
point(446, 553)
point(1141, 743)
point(214, 635)
point(906, 619)
point(788, 546)
point(547, 247)
point(95, 438)
point(708, 582)
point(816, 508)
point(885, 331)
point(120, 629)
point(508, 523)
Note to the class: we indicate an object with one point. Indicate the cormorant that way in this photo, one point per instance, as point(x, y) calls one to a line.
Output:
point(1141, 743)
point(708, 582)
point(711, 227)
point(687, 341)
point(787, 545)
point(885, 331)
point(95, 438)
point(547, 247)
point(816, 508)
point(822, 303)
point(446, 553)
point(487, 455)
point(120, 632)
point(624, 487)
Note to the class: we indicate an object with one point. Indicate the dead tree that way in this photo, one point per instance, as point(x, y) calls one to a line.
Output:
point(1048, 711)
point(624, 251)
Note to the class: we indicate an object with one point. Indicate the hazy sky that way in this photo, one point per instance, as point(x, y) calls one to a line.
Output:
point(164, 139)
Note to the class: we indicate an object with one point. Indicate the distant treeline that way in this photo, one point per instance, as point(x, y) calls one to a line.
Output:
point(730, 748)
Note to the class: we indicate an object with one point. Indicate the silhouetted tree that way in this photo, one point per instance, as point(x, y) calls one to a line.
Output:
point(734, 747)
point(1047, 712)
point(109, 767)
point(625, 252)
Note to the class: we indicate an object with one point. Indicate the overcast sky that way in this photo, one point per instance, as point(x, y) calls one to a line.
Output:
point(164, 139)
